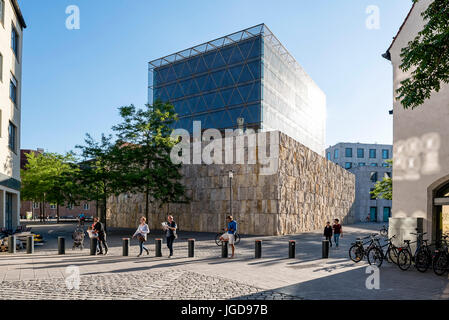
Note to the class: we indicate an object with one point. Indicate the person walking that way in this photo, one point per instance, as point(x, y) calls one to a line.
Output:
point(141, 234)
point(99, 228)
point(338, 231)
point(328, 233)
point(229, 234)
point(170, 233)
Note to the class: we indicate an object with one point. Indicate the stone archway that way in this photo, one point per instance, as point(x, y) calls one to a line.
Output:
point(438, 208)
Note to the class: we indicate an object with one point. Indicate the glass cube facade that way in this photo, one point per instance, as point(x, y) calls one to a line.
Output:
point(247, 74)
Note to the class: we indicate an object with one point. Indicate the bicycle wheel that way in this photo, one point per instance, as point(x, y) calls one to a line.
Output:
point(375, 256)
point(356, 253)
point(384, 232)
point(236, 238)
point(404, 260)
point(217, 239)
point(422, 260)
point(392, 256)
point(440, 264)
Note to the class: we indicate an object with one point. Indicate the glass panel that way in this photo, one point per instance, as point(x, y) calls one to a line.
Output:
point(219, 61)
point(201, 81)
point(209, 59)
point(171, 74)
point(235, 72)
point(236, 56)
point(255, 93)
point(245, 76)
point(245, 48)
point(235, 113)
point(218, 77)
point(178, 68)
point(185, 85)
point(226, 53)
point(236, 98)
point(227, 79)
point(178, 92)
point(192, 64)
point(218, 101)
point(210, 84)
point(254, 110)
point(254, 67)
point(193, 102)
point(194, 87)
point(245, 91)
point(226, 94)
point(209, 99)
point(255, 50)
point(201, 67)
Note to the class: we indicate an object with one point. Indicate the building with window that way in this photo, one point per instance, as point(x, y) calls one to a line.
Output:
point(11, 30)
point(247, 75)
point(368, 163)
point(421, 148)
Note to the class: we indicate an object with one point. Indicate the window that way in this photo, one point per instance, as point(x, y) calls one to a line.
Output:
point(385, 164)
point(385, 154)
point(52, 206)
point(336, 154)
point(373, 176)
point(86, 206)
point(348, 152)
point(13, 89)
point(360, 153)
point(387, 175)
point(12, 136)
point(362, 164)
point(328, 156)
point(15, 41)
point(35, 205)
point(372, 196)
point(348, 165)
point(372, 153)
point(373, 164)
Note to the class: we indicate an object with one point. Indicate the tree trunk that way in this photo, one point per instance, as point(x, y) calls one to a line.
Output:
point(103, 214)
point(147, 203)
point(57, 213)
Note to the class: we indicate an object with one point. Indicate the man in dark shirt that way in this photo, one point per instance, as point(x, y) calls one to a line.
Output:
point(328, 232)
point(338, 232)
point(170, 233)
point(99, 227)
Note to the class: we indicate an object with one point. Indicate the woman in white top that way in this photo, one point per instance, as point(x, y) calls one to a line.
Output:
point(141, 233)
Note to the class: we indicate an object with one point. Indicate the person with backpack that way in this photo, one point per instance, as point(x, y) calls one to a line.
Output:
point(170, 233)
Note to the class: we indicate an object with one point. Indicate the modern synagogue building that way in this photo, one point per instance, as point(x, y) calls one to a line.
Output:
point(248, 74)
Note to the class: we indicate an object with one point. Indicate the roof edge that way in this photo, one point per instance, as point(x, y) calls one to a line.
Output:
point(16, 7)
point(387, 54)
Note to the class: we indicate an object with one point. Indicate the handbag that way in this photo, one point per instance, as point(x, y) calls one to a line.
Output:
point(141, 238)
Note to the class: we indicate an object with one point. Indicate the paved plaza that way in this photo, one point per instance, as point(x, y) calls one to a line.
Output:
point(46, 275)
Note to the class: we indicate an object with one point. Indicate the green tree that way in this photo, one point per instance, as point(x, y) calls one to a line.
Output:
point(383, 189)
point(428, 56)
point(100, 176)
point(145, 144)
point(49, 177)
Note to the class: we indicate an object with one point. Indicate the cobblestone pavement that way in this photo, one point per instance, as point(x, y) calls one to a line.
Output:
point(167, 285)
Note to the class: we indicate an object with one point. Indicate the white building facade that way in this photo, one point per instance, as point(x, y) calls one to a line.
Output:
point(11, 35)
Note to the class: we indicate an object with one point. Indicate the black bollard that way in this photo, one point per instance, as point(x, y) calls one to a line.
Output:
point(61, 245)
point(158, 243)
point(30, 244)
point(291, 249)
point(224, 249)
point(125, 247)
point(191, 243)
point(93, 246)
point(12, 244)
point(258, 249)
point(325, 249)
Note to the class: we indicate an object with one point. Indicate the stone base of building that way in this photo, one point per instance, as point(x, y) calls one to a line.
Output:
point(303, 193)
point(403, 228)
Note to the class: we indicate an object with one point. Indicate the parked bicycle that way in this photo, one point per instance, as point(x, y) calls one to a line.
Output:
point(384, 231)
point(440, 263)
point(422, 257)
point(359, 249)
point(376, 255)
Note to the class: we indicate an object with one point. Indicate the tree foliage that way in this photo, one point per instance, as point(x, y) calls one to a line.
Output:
point(428, 56)
point(145, 144)
point(383, 189)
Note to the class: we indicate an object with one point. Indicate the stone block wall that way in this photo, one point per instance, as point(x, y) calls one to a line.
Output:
point(305, 191)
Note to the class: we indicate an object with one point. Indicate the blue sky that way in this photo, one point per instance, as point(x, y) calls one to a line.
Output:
point(74, 80)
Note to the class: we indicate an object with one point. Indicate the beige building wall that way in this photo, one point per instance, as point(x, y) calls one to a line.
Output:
point(304, 192)
point(10, 112)
point(421, 137)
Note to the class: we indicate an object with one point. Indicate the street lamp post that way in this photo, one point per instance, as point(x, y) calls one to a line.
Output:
point(231, 175)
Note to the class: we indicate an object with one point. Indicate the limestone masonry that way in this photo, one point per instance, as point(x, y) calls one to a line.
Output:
point(306, 191)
